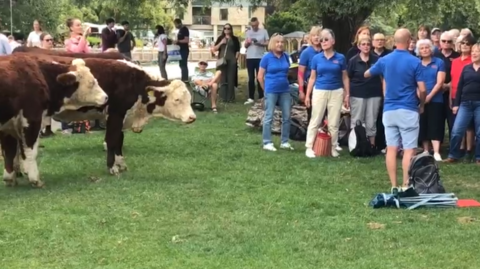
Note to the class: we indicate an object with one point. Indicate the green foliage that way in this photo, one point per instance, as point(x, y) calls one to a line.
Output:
point(284, 23)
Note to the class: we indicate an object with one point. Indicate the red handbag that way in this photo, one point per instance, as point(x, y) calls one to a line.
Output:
point(323, 143)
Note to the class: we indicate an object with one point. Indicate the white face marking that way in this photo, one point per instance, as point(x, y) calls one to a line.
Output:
point(10, 179)
point(178, 103)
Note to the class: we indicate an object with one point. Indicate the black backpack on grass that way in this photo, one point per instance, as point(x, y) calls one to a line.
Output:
point(298, 131)
point(358, 142)
point(424, 175)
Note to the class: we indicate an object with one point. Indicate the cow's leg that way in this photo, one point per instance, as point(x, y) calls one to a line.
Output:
point(31, 133)
point(18, 161)
point(9, 151)
point(112, 137)
point(119, 160)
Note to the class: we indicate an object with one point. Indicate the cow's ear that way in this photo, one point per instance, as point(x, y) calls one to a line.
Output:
point(67, 78)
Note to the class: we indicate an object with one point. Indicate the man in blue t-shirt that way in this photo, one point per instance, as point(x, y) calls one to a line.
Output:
point(405, 95)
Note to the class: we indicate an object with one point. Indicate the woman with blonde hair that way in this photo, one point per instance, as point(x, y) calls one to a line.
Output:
point(273, 77)
point(363, 31)
point(330, 88)
point(304, 64)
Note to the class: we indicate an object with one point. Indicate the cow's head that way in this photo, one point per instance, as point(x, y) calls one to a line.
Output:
point(170, 100)
point(88, 92)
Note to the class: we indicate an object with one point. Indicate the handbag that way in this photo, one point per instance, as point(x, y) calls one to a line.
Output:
point(221, 62)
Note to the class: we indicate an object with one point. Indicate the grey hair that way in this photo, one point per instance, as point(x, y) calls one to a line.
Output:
point(446, 34)
point(423, 42)
point(328, 32)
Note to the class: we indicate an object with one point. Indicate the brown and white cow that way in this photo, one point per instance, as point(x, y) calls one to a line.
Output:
point(30, 90)
point(134, 97)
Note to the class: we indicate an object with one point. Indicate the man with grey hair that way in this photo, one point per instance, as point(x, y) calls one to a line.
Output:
point(405, 95)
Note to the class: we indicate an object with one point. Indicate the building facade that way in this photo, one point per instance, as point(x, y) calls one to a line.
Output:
point(210, 20)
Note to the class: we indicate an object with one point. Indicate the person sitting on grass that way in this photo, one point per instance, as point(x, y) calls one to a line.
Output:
point(206, 82)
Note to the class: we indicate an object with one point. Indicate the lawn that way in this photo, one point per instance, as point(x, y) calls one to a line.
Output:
point(206, 196)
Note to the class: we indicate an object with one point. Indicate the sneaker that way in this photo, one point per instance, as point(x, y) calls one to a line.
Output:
point(249, 102)
point(437, 157)
point(384, 151)
point(67, 131)
point(286, 146)
point(269, 147)
point(335, 153)
point(310, 153)
point(338, 148)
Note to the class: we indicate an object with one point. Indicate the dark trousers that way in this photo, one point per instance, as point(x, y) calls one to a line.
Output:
point(252, 68)
point(184, 64)
point(229, 71)
point(432, 123)
point(65, 126)
point(380, 142)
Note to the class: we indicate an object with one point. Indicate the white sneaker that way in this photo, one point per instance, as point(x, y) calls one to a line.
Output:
point(269, 147)
point(384, 150)
point(310, 153)
point(335, 153)
point(338, 148)
point(286, 146)
point(437, 157)
point(249, 102)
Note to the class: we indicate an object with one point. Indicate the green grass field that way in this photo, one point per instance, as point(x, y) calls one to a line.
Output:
point(207, 196)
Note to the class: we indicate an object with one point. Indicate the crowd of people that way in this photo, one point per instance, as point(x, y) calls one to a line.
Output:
point(403, 96)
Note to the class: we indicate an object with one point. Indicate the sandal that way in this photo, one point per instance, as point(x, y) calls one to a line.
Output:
point(214, 110)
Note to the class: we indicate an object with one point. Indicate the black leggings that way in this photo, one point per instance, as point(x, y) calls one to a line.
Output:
point(432, 123)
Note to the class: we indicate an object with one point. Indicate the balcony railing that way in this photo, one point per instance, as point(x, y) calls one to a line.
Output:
point(203, 20)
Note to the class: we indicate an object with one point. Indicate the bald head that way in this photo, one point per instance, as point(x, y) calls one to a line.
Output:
point(402, 38)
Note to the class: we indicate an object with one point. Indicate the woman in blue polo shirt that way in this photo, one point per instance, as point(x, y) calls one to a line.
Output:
point(273, 77)
point(432, 120)
point(330, 85)
point(304, 64)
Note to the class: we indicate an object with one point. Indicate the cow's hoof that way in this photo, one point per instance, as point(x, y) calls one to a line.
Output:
point(10, 182)
point(120, 163)
point(114, 170)
point(38, 184)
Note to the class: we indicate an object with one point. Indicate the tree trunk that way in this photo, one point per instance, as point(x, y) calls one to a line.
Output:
point(344, 27)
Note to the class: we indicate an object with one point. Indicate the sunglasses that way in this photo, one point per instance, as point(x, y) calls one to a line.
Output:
point(227, 28)
point(324, 40)
point(465, 43)
point(447, 41)
point(365, 44)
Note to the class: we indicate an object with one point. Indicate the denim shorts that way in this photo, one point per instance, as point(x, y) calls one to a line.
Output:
point(401, 128)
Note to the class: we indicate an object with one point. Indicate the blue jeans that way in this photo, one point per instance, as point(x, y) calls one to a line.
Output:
point(466, 111)
point(285, 102)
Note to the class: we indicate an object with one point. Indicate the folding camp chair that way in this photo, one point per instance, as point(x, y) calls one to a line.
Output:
point(200, 99)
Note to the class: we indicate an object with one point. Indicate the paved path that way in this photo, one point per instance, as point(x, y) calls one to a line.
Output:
point(173, 70)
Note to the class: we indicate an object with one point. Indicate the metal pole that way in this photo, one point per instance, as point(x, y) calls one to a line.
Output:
point(11, 17)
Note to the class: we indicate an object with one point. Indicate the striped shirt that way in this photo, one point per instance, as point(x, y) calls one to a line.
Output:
point(202, 75)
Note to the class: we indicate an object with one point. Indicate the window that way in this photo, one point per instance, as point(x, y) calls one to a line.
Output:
point(224, 14)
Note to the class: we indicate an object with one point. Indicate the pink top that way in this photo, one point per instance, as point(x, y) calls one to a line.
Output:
point(77, 44)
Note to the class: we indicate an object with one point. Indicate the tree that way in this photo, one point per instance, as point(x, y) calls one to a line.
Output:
point(283, 23)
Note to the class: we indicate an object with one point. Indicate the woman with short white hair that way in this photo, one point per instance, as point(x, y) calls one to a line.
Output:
point(432, 120)
point(330, 85)
point(454, 33)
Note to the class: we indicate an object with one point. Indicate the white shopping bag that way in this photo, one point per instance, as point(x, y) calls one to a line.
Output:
point(173, 52)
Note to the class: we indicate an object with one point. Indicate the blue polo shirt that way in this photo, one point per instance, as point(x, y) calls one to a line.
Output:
point(430, 77)
point(329, 71)
point(276, 72)
point(401, 71)
point(306, 59)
